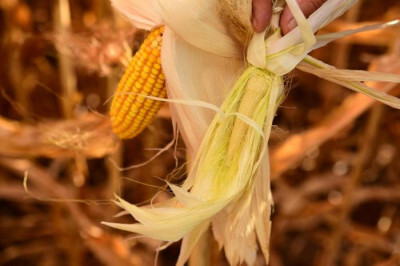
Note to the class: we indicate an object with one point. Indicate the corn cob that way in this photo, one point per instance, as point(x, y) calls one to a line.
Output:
point(130, 111)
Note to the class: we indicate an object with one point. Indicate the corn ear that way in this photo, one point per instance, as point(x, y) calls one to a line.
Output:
point(131, 111)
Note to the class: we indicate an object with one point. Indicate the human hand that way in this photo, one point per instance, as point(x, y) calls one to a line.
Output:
point(262, 12)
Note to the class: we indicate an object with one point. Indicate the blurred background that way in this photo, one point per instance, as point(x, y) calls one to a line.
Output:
point(335, 154)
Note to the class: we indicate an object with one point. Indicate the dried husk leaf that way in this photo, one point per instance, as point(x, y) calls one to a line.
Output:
point(198, 23)
point(195, 74)
point(140, 13)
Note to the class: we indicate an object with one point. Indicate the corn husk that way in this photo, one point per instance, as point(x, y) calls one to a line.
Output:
point(228, 182)
point(223, 173)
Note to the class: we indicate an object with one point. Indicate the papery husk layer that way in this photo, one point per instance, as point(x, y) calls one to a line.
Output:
point(225, 171)
point(194, 74)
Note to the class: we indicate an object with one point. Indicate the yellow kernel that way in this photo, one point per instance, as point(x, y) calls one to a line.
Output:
point(144, 75)
point(140, 99)
point(154, 44)
point(139, 63)
point(147, 88)
point(152, 59)
point(156, 52)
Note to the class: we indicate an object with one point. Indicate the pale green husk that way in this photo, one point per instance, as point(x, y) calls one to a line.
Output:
point(226, 165)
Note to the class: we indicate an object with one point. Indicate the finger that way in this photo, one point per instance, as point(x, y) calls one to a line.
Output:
point(307, 6)
point(262, 12)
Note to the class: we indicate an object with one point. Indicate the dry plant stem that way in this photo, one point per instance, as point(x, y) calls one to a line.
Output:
point(393, 261)
point(332, 249)
point(90, 134)
point(377, 193)
point(293, 201)
point(114, 175)
point(367, 240)
point(14, 192)
point(25, 250)
point(352, 257)
point(295, 148)
point(357, 236)
point(370, 239)
point(95, 238)
point(73, 244)
point(20, 81)
point(80, 169)
point(313, 213)
point(68, 82)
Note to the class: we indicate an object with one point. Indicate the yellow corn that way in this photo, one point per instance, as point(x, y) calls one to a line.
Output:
point(130, 111)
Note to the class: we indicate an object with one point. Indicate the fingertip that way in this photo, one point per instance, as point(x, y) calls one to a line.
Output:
point(261, 14)
point(286, 17)
point(259, 24)
point(288, 23)
point(288, 26)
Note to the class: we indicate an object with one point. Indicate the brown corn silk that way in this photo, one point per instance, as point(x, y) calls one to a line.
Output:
point(131, 111)
point(236, 16)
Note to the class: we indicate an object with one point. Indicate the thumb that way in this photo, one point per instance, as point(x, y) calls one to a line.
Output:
point(261, 14)
point(308, 7)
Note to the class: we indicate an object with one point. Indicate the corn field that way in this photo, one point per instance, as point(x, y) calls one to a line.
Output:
point(334, 153)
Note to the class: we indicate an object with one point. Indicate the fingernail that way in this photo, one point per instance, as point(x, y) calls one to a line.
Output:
point(292, 24)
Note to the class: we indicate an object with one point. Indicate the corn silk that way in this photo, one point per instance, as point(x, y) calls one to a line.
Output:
point(228, 184)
